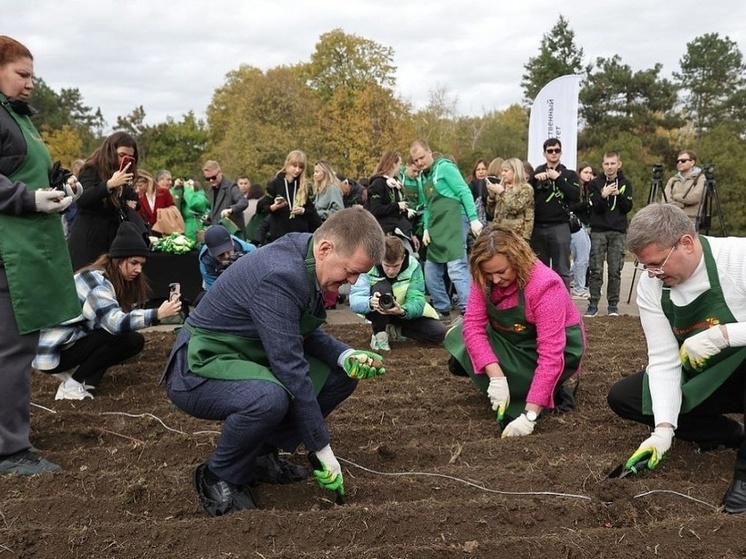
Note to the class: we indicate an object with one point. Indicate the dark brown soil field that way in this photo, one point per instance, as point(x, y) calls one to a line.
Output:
point(426, 473)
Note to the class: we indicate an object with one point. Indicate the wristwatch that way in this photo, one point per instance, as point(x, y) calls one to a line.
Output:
point(531, 415)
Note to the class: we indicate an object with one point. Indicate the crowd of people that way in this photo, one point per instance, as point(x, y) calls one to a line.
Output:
point(412, 242)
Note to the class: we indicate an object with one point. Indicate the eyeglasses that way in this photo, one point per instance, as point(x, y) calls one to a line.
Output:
point(656, 271)
point(682, 160)
point(212, 178)
point(553, 150)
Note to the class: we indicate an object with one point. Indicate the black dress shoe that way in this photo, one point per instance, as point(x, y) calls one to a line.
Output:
point(734, 501)
point(221, 497)
point(270, 468)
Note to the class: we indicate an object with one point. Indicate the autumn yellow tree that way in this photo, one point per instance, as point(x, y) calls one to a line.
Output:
point(257, 117)
point(65, 144)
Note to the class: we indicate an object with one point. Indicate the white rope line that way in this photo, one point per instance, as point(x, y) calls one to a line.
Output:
point(429, 474)
point(159, 420)
point(42, 407)
point(466, 482)
point(676, 493)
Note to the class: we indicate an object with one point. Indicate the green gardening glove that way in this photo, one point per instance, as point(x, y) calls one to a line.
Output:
point(652, 449)
point(361, 364)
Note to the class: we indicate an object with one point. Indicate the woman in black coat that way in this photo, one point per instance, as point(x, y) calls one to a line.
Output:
point(108, 199)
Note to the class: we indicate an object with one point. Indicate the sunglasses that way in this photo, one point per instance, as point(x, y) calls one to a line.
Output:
point(553, 150)
point(212, 178)
point(682, 160)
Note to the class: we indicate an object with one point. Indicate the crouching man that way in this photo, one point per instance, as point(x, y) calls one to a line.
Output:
point(392, 297)
point(693, 312)
point(253, 356)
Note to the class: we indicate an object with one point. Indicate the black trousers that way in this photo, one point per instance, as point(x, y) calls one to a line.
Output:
point(97, 352)
point(422, 329)
point(705, 424)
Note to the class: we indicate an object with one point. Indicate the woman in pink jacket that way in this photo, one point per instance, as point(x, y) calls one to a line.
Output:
point(522, 336)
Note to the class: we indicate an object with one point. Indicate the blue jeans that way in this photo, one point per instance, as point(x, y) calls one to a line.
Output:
point(458, 272)
point(580, 247)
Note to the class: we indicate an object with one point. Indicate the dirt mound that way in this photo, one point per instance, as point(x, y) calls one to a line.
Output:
point(426, 472)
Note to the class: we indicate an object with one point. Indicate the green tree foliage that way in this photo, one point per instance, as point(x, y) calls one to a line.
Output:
point(257, 118)
point(713, 80)
point(343, 60)
point(67, 110)
point(615, 98)
point(558, 56)
point(723, 149)
point(360, 125)
point(176, 146)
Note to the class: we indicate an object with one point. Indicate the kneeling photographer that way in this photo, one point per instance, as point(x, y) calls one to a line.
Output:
point(221, 249)
point(392, 298)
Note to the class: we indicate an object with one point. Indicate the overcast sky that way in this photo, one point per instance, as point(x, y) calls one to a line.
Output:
point(171, 56)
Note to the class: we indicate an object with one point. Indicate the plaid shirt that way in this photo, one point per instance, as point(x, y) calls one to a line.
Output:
point(100, 310)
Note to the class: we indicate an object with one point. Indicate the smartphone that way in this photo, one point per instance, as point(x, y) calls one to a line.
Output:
point(174, 291)
point(126, 160)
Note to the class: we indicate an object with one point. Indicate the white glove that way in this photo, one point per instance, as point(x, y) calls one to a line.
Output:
point(51, 201)
point(519, 427)
point(330, 477)
point(411, 213)
point(476, 227)
point(425, 238)
point(696, 351)
point(73, 188)
point(653, 448)
point(499, 395)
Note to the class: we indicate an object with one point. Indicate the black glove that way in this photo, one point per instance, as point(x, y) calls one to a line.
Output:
point(58, 176)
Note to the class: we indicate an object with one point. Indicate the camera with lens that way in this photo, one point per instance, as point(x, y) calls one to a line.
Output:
point(709, 171)
point(657, 172)
point(386, 301)
point(228, 261)
point(547, 184)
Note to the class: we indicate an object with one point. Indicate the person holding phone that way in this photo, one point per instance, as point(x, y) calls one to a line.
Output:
point(288, 202)
point(108, 198)
point(111, 291)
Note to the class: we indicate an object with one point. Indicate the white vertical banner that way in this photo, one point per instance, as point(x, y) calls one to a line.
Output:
point(554, 114)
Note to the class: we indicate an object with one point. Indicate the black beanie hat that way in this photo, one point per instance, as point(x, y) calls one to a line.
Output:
point(128, 242)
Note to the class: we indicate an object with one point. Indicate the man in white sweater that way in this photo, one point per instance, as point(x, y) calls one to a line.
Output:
point(692, 302)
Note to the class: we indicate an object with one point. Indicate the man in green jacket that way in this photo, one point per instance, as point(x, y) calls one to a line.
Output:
point(449, 214)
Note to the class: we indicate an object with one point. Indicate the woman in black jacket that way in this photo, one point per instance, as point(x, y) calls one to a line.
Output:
point(108, 199)
point(387, 200)
point(288, 203)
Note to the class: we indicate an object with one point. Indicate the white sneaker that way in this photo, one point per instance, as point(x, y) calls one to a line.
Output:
point(71, 389)
point(394, 333)
point(380, 342)
point(583, 294)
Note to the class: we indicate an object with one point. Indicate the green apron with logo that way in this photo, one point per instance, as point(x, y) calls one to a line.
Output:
point(33, 246)
point(223, 356)
point(445, 227)
point(513, 339)
point(706, 311)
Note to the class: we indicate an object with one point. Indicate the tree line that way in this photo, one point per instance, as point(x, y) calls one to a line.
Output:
point(341, 105)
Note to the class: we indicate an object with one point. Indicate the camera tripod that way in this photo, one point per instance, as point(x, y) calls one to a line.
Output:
point(656, 194)
point(710, 200)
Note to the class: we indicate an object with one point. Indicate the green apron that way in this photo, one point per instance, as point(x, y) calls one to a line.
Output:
point(224, 356)
point(33, 247)
point(707, 310)
point(513, 339)
point(445, 227)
